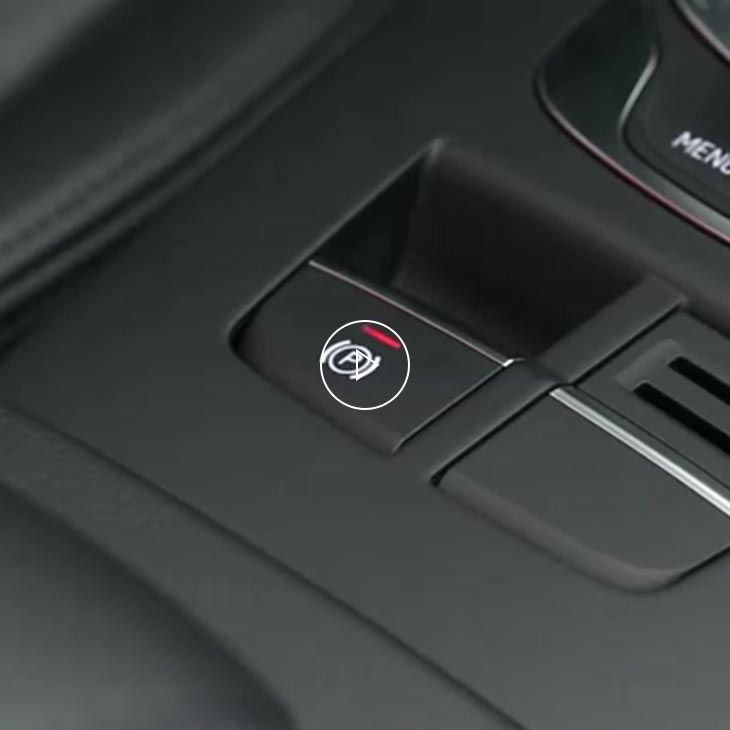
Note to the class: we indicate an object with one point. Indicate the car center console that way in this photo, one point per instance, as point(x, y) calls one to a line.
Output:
point(642, 85)
point(417, 404)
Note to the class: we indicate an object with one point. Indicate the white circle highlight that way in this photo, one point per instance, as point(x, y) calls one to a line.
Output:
point(391, 399)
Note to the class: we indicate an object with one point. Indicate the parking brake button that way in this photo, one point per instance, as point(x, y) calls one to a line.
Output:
point(377, 371)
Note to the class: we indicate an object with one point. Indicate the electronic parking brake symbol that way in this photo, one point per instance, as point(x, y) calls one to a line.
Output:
point(346, 364)
point(351, 360)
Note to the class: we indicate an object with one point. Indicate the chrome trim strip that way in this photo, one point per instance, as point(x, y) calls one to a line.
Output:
point(703, 486)
point(501, 360)
point(651, 66)
point(701, 20)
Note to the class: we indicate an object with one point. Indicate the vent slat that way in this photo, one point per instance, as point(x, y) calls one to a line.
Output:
point(702, 378)
point(674, 383)
point(688, 418)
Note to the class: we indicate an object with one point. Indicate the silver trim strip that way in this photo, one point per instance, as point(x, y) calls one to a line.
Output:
point(717, 496)
point(704, 28)
point(651, 66)
point(501, 360)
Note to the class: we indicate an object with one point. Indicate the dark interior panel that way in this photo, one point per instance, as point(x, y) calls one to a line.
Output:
point(532, 532)
point(109, 100)
point(450, 236)
point(628, 523)
point(305, 648)
point(86, 646)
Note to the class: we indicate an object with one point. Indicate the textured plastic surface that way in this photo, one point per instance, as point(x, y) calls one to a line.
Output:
point(85, 646)
point(561, 482)
point(331, 667)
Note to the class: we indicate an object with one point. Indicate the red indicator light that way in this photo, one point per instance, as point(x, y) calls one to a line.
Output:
point(381, 337)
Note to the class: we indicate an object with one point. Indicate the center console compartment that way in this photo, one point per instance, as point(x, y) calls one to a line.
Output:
point(479, 273)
